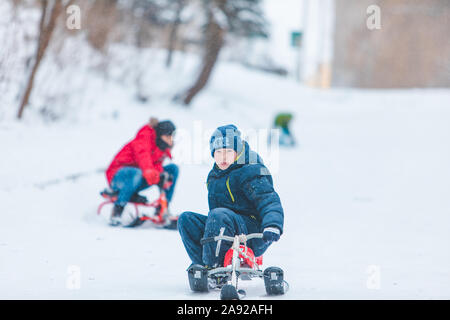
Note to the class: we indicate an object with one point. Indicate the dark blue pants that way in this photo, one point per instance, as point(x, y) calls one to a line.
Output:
point(286, 138)
point(193, 227)
point(129, 180)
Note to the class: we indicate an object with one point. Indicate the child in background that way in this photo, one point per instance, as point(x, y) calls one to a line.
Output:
point(282, 122)
point(138, 165)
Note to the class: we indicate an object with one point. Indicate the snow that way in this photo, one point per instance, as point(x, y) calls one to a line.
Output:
point(365, 193)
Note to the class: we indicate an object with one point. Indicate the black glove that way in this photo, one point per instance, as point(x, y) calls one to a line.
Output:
point(271, 234)
point(164, 178)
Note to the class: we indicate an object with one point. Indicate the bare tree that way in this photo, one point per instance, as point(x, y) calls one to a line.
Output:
point(159, 15)
point(213, 43)
point(100, 23)
point(243, 18)
point(50, 11)
point(180, 4)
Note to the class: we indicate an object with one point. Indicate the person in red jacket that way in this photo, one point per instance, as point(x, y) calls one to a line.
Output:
point(138, 165)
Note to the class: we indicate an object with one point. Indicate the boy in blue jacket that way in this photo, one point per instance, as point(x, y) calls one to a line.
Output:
point(241, 201)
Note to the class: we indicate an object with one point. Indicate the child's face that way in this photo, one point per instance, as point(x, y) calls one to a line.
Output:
point(168, 139)
point(224, 158)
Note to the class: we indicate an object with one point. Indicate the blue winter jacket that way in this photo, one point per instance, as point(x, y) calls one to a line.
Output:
point(246, 187)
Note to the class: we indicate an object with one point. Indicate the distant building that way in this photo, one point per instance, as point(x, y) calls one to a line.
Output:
point(342, 48)
point(316, 52)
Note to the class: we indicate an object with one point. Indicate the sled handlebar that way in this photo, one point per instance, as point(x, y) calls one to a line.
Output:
point(242, 238)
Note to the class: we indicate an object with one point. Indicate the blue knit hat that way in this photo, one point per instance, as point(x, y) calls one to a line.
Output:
point(226, 137)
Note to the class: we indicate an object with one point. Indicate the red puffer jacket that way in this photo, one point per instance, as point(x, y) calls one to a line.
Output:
point(142, 152)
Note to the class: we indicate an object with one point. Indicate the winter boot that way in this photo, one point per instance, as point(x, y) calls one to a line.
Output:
point(198, 278)
point(116, 215)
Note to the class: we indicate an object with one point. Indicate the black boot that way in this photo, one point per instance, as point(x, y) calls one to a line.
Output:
point(116, 214)
point(198, 278)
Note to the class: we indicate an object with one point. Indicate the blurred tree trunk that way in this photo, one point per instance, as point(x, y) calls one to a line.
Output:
point(101, 19)
point(50, 11)
point(173, 31)
point(214, 40)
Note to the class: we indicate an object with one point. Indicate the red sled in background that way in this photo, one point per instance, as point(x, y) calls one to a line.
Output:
point(139, 210)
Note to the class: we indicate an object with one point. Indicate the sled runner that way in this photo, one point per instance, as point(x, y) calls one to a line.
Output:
point(139, 210)
point(239, 263)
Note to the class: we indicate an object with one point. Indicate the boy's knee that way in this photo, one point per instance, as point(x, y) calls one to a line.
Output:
point(220, 214)
point(172, 168)
point(186, 220)
point(183, 219)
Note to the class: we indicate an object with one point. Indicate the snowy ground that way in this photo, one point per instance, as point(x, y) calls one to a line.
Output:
point(366, 195)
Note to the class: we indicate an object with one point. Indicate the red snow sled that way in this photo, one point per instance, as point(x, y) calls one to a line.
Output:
point(239, 263)
point(246, 256)
point(139, 210)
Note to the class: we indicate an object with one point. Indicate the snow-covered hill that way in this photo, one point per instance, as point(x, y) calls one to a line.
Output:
point(366, 192)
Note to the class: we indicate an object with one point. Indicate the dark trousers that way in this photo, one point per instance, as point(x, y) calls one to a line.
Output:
point(193, 227)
